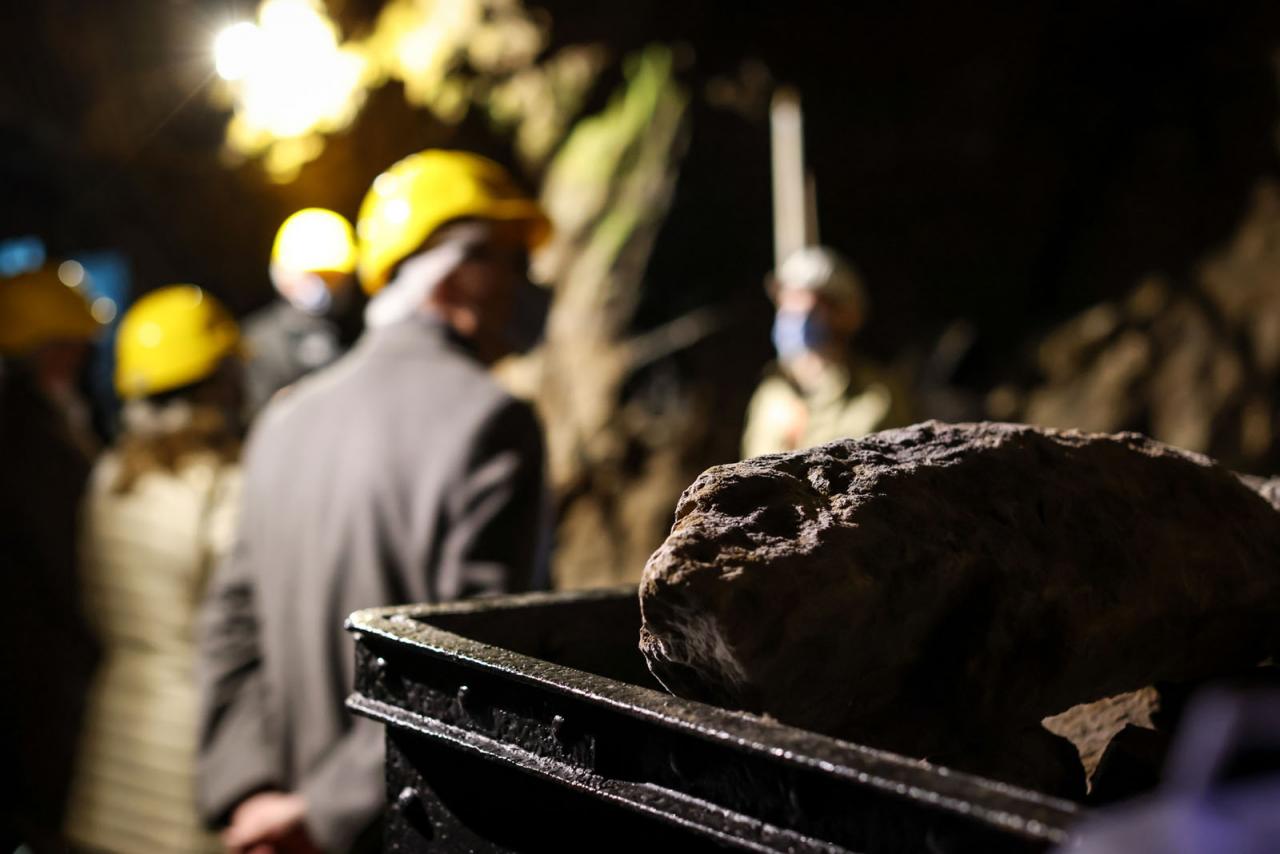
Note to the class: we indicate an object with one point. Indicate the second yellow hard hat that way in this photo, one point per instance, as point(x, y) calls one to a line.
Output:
point(172, 337)
point(315, 240)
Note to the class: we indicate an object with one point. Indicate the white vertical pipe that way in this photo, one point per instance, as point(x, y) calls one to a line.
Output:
point(786, 127)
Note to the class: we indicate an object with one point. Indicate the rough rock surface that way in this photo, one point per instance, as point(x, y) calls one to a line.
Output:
point(1193, 359)
point(1092, 726)
point(939, 589)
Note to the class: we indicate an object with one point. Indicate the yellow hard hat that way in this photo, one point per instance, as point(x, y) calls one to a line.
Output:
point(37, 309)
point(172, 337)
point(315, 240)
point(408, 202)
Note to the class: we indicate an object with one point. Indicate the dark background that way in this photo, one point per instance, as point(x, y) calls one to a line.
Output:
point(1008, 163)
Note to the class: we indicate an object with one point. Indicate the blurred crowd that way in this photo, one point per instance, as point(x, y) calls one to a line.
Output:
point(175, 665)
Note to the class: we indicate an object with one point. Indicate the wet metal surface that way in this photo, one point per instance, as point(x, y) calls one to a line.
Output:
point(520, 722)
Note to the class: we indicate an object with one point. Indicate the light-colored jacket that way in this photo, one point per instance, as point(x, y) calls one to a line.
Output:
point(146, 556)
point(401, 473)
point(847, 402)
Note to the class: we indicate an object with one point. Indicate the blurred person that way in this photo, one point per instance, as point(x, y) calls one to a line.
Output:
point(47, 652)
point(819, 389)
point(402, 473)
point(48, 335)
point(317, 317)
point(158, 514)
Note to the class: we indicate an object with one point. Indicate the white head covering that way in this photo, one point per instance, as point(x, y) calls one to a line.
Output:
point(822, 270)
point(406, 294)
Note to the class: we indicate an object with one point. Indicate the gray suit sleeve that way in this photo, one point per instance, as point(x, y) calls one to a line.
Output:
point(237, 755)
point(345, 792)
point(495, 511)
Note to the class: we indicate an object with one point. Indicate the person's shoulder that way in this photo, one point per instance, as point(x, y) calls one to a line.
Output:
point(305, 399)
point(217, 480)
point(264, 321)
point(105, 472)
point(504, 423)
point(489, 410)
point(452, 376)
point(867, 373)
point(774, 384)
point(505, 406)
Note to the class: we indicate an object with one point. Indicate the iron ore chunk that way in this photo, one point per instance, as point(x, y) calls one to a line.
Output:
point(938, 590)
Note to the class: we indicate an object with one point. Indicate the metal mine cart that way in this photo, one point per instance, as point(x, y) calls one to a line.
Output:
point(530, 723)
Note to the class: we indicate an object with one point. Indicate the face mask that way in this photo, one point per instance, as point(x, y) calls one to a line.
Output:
point(796, 332)
point(312, 295)
point(528, 318)
point(305, 291)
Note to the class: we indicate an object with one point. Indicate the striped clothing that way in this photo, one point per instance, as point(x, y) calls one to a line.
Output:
point(147, 555)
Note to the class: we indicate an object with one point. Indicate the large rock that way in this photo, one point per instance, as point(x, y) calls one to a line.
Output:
point(938, 590)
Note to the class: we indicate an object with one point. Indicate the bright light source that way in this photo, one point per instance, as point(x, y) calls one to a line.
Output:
point(292, 78)
point(289, 75)
point(71, 273)
point(103, 310)
point(237, 51)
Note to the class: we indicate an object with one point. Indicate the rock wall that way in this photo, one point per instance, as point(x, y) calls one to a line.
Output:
point(1194, 365)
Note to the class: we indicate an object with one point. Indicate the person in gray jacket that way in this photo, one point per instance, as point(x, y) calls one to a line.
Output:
point(317, 316)
point(401, 473)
